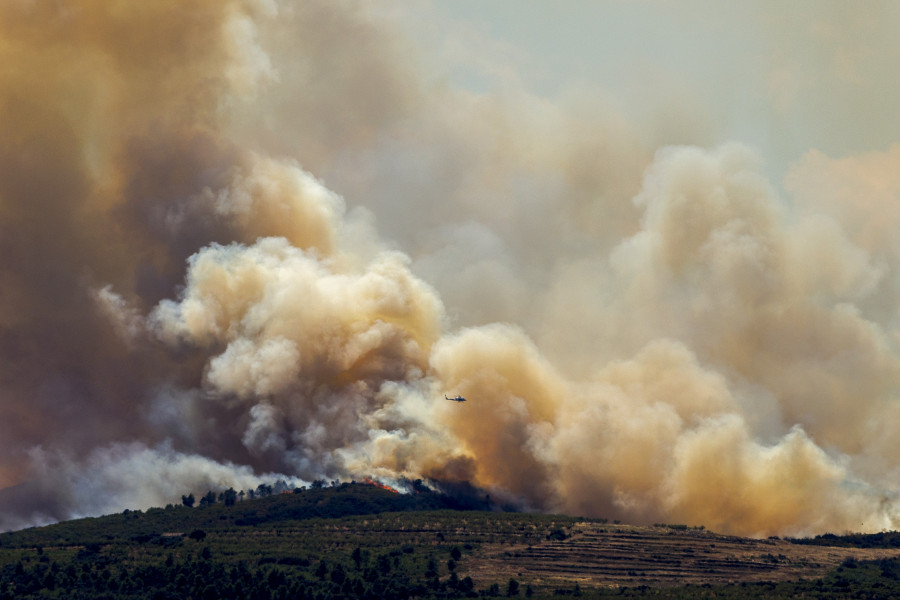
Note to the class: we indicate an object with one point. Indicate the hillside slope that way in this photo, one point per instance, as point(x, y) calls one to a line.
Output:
point(359, 541)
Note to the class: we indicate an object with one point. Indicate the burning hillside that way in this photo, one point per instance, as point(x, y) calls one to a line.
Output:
point(382, 486)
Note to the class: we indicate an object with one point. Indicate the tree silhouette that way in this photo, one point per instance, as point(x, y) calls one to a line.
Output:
point(197, 534)
point(512, 588)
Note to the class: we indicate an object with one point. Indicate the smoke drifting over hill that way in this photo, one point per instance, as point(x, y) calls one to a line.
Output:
point(250, 238)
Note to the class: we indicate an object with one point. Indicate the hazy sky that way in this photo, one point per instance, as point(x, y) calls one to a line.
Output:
point(783, 77)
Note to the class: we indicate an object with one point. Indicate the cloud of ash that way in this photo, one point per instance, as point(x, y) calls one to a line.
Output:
point(643, 335)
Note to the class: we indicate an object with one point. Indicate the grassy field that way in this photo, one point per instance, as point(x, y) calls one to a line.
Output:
point(359, 541)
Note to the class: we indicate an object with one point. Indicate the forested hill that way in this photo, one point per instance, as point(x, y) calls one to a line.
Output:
point(346, 499)
point(351, 540)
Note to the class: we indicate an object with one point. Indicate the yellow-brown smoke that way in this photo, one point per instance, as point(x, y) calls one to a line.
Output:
point(188, 301)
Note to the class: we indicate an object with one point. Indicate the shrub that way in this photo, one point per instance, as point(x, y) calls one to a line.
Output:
point(557, 534)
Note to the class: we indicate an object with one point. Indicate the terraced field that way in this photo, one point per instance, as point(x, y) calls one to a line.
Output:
point(602, 555)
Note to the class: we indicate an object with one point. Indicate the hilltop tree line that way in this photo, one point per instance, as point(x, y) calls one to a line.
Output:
point(230, 496)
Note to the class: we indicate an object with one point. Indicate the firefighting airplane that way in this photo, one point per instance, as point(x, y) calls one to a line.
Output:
point(457, 399)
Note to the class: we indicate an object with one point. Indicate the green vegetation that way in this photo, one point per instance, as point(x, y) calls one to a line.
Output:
point(885, 539)
point(347, 541)
point(679, 527)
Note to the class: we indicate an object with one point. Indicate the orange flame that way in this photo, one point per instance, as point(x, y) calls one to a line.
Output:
point(380, 485)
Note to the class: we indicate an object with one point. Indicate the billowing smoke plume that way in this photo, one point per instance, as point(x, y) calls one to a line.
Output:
point(245, 240)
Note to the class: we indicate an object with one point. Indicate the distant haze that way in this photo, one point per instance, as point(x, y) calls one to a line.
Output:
point(250, 240)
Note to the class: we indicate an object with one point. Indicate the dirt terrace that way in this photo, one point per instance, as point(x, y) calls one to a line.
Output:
point(598, 555)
